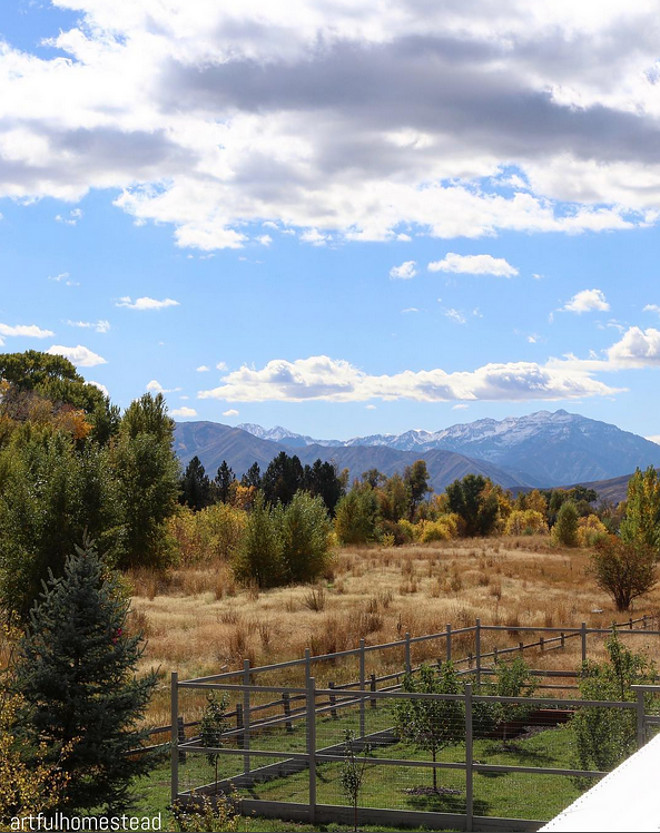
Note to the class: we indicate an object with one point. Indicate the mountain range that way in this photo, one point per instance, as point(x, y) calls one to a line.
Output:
point(543, 449)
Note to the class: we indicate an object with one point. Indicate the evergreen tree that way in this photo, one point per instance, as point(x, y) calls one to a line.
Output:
point(195, 486)
point(223, 482)
point(282, 479)
point(321, 480)
point(252, 477)
point(76, 673)
point(476, 502)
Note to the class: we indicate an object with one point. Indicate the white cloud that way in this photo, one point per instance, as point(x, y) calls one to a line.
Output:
point(652, 308)
point(264, 239)
point(232, 412)
point(586, 301)
point(79, 355)
point(154, 386)
point(370, 407)
point(71, 219)
point(202, 369)
point(101, 387)
point(145, 303)
point(455, 315)
point(408, 310)
point(461, 406)
point(221, 366)
point(404, 272)
point(183, 412)
point(209, 116)
point(637, 348)
point(63, 277)
point(323, 378)
point(24, 330)
point(100, 326)
point(473, 265)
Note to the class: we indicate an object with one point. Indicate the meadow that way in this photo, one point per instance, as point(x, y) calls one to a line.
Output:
point(199, 621)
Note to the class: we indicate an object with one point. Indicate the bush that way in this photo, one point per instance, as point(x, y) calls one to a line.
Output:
point(590, 531)
point(443, 529)
point(564, 532)
point(304, 528)
point(625, 571)
point(526, 522)
point(259, 556)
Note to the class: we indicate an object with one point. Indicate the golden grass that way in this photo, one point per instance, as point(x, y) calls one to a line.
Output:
point(199, 622)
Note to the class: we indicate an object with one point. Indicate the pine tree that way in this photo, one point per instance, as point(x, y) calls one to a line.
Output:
point(76, 674)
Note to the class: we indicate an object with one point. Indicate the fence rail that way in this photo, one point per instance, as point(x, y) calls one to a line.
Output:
point(308, 703)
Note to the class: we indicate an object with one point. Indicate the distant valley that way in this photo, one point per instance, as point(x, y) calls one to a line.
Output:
point(543, 449)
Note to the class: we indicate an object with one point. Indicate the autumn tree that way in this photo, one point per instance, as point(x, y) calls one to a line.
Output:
point(416, 478)
point(624, 570)
point(476, 503)
point(641, 524)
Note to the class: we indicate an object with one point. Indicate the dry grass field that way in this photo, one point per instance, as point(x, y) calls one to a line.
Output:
point(199, 622)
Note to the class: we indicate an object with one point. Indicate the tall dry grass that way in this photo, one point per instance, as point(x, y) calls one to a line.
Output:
point(198, 621)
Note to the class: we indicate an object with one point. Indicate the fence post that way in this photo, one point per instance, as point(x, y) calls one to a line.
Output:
point(246, 715)
point(308, 663)
point(363, 685)
point(311, 745)
point(240, 738)
point(541, 643)
point(372, 685)
point(584, 641)
point(495, 655)
point(644, 622)
point(333, 701)
point(469, 785)
point(448, 643)
point(174, 742)
point(641, 727)
point(408, 661)
point(286, 704)
point(477, 648)
point(520, 647)
point(563, 639)
point(181, 734)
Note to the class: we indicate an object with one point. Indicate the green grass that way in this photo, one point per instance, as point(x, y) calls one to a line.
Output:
point(509, 795)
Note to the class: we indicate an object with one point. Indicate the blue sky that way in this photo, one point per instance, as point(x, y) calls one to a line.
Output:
point(358, 218)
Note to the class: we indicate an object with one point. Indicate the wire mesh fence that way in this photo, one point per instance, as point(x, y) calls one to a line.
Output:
point(383, 749)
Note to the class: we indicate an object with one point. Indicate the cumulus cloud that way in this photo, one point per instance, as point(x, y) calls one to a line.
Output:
point(376, 121)
point(25, 330)
point(232, 412)
point(637, 348)
point(336, 380)
point(455, 315)
point(145, 303)
point(652, 308)
point(405, 271)
point(221, 366)
point(473, 265)
point(63, 278)
point(202, 369)
point(586, 301)
point(101, 387)
point(183, 412)
point(78, 355)
point(154, 386)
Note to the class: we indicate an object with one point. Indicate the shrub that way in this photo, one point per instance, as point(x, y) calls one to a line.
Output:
point(625, 571)
point(564, 532)
point(526, 522)
point(259, 556)
point(590, 530)
point(303, 528)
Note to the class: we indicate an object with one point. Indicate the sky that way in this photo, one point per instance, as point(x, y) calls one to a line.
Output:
point(346, 218)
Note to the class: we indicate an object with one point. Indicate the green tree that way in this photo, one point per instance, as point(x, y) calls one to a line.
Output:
point(223, 482)
point(431, 724)
point(353, 770)
point(304, 528)
point(195, 486)
point(624, 570)
point(356, 516)
point(607, 736)
point(259, 556)
point(282, 479)
point(641, 524)
point(76, 672)
point(50, 495)
point(148, 474)
point(321, 479)
point(416, 478)
point(252, 477)
point(212, 727)
point(565, 530)
point(475, 501)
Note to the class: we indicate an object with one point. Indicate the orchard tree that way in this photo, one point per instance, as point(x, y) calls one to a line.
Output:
point(76, 671)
